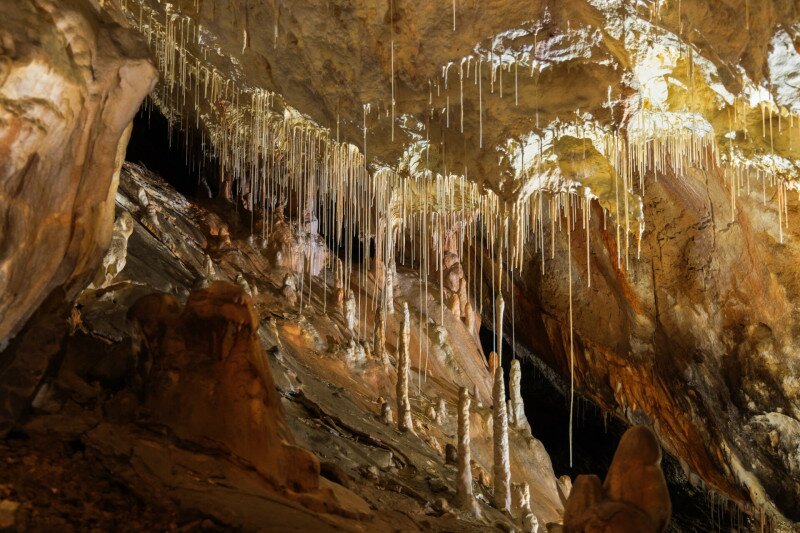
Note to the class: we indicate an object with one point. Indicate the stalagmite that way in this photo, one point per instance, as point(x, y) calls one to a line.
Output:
point(469, 317)
point(432, 414)
point(338, 286)
point(151, 218)
point(289, 290)
point(404, 422)
point(240, 281)
point(117, 255)
point(517, 413)
point(350, 316)
point(530, 524)
point(441, 411)
point(386, 412)
point(141, 196)
point(502, 467)
point(389, 291)
point(465, 499)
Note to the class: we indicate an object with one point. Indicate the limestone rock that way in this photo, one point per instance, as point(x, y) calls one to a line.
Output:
point(211, 383)
point(70, 84)
point(634, 497)
point(70, 88)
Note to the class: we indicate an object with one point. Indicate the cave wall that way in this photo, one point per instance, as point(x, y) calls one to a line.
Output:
point(697, 338)
point(70, 84)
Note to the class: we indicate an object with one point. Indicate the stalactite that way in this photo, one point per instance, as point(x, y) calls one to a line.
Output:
point(502, 467)
point(499, 308)
point(571, 336)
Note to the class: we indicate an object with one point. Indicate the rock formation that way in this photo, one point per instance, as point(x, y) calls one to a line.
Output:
point(622, 172)
point(71, 83)
point(634, 496)
point(350, 313)
point(502, 469)
point(116, 257)
point(404, 422)
point(465, 498)
point(517, 411)
point(289, 290)
point(210, 383)
point(379, 338)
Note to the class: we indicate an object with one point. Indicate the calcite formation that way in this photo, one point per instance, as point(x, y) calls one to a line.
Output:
point(502, 471)
point(404, 421)
point(465, 498)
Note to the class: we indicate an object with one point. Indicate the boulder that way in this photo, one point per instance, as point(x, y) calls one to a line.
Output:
point(211, 384)
point(634, 497)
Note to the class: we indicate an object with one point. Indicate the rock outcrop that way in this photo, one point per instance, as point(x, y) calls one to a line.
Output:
point(634, 497)
point(71, 81)
point(210, 382)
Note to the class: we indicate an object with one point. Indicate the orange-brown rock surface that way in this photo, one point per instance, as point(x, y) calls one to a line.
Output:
point(210, 381)
point(634, 497)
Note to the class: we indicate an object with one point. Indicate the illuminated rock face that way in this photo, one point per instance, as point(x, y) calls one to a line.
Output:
point(211, 383)
point(696, 337)
point(70, 84)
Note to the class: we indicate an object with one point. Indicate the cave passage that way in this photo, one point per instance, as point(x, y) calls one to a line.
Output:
point(174, 154)
point(596, 435)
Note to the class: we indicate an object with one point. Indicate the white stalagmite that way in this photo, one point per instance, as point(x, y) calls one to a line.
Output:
point(386, 413)
point(389, 290)
point(350, 313)
point(404, 422)
point(499, 307)
point(465, 499)
point(517, 413)
point(502, 467)
point(441, 411)
point(469, 318)
point(530, 524)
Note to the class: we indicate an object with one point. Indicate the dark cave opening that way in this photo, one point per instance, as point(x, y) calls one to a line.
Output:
point(178, 156)
point(595, 438)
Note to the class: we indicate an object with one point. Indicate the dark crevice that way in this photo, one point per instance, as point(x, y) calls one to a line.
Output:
point(181, 158)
